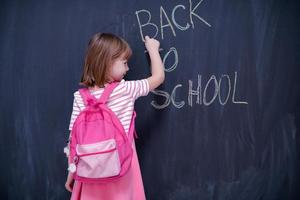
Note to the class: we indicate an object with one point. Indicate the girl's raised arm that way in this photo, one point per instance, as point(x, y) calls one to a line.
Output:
point(157, 69)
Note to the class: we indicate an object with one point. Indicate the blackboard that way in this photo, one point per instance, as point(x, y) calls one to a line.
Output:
point(224, 125)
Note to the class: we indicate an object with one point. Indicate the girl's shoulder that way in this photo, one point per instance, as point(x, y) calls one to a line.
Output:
point(134, 88)
point(96, 93)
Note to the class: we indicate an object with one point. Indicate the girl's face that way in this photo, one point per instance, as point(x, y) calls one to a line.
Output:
point(118, 70)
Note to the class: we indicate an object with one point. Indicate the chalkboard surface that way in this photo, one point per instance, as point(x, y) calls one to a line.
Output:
point(224, 125)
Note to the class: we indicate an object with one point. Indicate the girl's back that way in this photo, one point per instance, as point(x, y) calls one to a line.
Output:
point(121, 101)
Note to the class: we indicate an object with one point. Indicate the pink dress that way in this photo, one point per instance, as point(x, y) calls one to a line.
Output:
point(129, 187)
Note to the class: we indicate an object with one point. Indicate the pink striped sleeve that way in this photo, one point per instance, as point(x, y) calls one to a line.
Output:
point(137, 88)
point(75, 113)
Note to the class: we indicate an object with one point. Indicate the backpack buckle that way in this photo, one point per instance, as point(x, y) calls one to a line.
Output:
point(76, 159)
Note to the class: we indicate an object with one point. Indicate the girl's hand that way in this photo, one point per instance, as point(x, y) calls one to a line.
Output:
point(151, 44)
point(69, 182)
point(157, 67)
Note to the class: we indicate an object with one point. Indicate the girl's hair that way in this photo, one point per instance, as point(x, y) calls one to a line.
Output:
point(103, 49)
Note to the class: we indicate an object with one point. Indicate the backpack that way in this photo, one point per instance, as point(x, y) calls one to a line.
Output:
point(99, 148)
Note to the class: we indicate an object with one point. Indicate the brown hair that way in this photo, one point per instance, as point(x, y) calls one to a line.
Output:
point(103, 49)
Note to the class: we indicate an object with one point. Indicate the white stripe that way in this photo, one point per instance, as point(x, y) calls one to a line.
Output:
point(125, 112)
point(120, 100)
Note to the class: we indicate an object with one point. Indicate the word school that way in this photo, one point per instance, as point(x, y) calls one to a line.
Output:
point(200, 94)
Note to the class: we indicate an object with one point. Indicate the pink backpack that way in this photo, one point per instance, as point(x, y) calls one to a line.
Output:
point(100, 149)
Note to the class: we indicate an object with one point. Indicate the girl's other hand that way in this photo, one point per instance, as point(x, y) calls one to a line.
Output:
point(69, 182)
point(151, 44)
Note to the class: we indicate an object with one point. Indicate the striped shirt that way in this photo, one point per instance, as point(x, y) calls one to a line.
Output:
point(121, 100)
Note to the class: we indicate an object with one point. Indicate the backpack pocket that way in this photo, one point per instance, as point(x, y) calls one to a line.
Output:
point(98, 160)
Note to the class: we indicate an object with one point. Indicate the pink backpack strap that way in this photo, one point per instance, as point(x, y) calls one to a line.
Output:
point(131, 131)
point(86, 96)
point(108, 90)
point(89, 99)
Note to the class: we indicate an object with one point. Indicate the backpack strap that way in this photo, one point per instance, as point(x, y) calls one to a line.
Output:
point(108, 90)
point(131, 131)
point(86, 96)
point(89, 99)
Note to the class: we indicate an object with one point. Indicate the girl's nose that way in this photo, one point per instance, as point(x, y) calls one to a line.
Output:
point(127, 68)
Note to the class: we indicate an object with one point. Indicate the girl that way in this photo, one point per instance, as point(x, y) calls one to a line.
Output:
point(105, 62)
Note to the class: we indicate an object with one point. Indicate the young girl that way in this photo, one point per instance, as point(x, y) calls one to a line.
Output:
point(105, 62)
